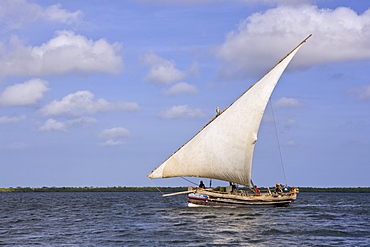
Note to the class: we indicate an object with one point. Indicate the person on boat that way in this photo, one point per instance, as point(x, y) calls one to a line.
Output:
point(256, 190)
point(285, 189)
point(218, 112)
point(201, 185)
point(277, 188)
point(233, 187)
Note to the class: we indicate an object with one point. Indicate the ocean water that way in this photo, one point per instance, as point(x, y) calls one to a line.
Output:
point(147, 219)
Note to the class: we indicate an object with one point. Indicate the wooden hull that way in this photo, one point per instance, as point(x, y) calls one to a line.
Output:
point(217, 199)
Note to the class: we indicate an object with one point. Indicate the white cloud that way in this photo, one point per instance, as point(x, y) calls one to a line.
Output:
point(66, 53)
point(83, 122)
point(182, 111)
point(6, 119)
point(162, 71)
point(193, 69)
point(290, 143)
point(15, 14)
point(179, 88)
point(287, 103)
point(116, 132)
point(55, 13)
point(112, 143)
point(114, 135)
point(290, 123)
point(54, 125)
point(27, 93)
point(278, 2)
point(264, 38)
point(82, 102)
point(361, 93)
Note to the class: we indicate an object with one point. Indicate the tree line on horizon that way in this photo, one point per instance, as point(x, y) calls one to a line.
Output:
point(162, 189)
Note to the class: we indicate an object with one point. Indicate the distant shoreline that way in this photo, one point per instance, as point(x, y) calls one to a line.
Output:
point(162, 189)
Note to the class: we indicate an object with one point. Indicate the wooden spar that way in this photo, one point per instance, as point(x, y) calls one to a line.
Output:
point(252, 184)
point(190, 190)
point(178, 193)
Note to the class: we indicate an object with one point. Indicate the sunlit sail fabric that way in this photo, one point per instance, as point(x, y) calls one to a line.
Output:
point(223, 149)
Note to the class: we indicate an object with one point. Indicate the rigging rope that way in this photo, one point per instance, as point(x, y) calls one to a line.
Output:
point(189, 181)
point(156, 186)
point(278, 141)
point(151, 180)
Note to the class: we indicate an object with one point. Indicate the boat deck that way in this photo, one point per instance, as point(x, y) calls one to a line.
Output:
point(239, 198)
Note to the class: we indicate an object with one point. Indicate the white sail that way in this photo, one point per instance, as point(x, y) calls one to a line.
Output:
point(223, 149)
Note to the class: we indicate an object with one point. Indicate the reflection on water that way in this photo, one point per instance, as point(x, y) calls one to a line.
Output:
point(147, 219)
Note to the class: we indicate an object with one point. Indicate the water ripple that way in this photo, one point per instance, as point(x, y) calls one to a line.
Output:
point(147, 219)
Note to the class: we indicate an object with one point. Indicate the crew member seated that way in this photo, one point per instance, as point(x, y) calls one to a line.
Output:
point(231, 188)
point(278, 189)
point(201, 185)
point(256, 190)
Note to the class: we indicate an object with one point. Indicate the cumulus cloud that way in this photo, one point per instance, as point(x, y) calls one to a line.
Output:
point(181, 111)
point(114, 136)
point(116, 132)
point(112, 143)
point(15, 14)
point(181, 88)
point(56, 13)
point(278, 2)
point(6, 119)
point(264, 38)
point(27, 93)
point(83, 122)
point(82, 102)
point(361, 93)
point(287, 103)
point(162, 71)
point(54, 125)
point(67, 52)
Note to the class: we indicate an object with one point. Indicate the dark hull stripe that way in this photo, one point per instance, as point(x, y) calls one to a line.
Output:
point(235, 203)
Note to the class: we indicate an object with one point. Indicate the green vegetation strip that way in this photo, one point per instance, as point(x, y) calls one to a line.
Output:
point(163, 189)
point(92, 189)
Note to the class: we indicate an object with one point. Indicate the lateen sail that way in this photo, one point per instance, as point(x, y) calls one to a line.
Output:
point(223, 149)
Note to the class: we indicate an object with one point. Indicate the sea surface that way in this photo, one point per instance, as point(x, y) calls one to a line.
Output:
point(147, 219)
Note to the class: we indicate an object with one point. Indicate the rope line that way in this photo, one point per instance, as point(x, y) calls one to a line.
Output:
point(278, 141)
point(156, 186)
point(189, 181)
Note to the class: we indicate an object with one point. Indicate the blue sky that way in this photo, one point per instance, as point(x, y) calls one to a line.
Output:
point(99, 93)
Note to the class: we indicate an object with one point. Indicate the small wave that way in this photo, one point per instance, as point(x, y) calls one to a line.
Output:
point(326, 216)
point(273, 231)
point(181, 224)
point(209, 217)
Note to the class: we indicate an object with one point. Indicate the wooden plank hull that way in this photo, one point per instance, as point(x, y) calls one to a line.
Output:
point(216, 199)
